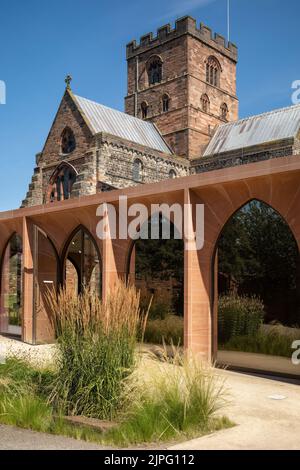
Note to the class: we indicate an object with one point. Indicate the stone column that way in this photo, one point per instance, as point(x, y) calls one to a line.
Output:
point(215, 308)
point(28, 281)
point(197, 271)
point(109, 267)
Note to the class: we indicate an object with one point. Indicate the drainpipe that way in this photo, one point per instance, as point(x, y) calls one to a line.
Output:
point(136, 86)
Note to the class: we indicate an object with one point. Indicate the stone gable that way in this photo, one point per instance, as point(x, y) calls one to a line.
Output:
point(67, 115)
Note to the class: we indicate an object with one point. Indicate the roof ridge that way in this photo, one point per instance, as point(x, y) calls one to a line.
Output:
point(113, 109)
point(267, 113)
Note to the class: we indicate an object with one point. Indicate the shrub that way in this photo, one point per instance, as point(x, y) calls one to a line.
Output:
point(272, 343)
point(96, 342)
point(160, 303)
point(239, 316)
point(169, 330)
point(175, 402)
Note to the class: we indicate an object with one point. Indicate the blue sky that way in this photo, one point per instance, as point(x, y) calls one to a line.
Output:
point(42, 40)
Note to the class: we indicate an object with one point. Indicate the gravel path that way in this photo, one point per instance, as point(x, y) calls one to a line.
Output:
point(38, 355)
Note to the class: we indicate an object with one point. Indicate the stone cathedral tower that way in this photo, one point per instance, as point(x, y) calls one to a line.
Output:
point(183, 80)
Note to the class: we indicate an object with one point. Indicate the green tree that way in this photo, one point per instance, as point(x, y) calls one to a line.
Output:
point(258, 251)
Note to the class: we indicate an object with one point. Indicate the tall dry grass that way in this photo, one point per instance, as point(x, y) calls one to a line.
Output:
point(96, 343)
point(174, 398)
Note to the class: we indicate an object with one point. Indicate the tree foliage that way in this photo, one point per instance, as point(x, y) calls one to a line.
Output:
point(259, 255)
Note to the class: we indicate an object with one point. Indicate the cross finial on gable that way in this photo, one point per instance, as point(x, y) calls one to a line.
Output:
point(68, 80)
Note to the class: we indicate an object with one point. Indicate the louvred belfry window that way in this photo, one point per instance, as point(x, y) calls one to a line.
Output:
point(154, 69)
point(213, 71)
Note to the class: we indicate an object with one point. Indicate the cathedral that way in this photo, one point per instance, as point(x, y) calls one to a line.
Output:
point(181, 88)
point(181, 118)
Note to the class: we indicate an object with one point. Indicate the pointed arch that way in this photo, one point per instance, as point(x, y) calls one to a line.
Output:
point(213, 71)
point(67, 141)
point(144, 109)
point(224, 111)
point(293, 252)
point(61, 182)
point(156, 265)
point(82, 251)
point(205, 103)
point(154, 69)
point(137, 170)
point(166, 102)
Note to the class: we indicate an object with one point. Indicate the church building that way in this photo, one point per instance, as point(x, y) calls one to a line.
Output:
point(181, 87)
point(179, 140)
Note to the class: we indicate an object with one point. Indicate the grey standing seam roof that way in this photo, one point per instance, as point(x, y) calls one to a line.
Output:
point(112, 121)
point(268, 127)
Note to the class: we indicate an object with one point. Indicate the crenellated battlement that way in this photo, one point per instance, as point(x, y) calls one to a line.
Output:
point(185, 25)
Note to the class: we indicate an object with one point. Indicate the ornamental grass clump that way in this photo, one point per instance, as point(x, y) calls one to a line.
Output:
point(179, 398)
point(96, 342)
point(168, 330)
point(239, 316)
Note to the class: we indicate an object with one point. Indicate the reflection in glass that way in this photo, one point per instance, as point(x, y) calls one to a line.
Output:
point(156, 267)
point(258, 284)
point(11, 282)
point(82, 263)
point(46, 279)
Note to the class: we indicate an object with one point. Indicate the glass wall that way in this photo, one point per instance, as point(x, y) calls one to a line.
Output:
point(156, 268)
point(46, 278)
point(258, 291)
point(11, 288)
point(82, 263)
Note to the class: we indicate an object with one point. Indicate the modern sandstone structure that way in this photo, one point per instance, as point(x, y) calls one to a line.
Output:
point(180, 141)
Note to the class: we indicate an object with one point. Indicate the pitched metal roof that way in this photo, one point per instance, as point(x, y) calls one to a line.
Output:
point(268, 127)
point(112, 121)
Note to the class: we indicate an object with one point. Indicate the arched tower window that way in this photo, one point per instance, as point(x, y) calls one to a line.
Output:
point(205, 103)
point(137, 170)
point(154, 69)
point(213, 71)
point(224, 111)
point(165, 103)
point(144, 109)
point(172, 174)
point(68, 142)
point(61, 182)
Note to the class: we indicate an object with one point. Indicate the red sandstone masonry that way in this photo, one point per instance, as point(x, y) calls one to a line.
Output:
point(183, 51)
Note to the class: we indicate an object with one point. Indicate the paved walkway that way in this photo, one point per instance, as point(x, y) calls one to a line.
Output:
point(263, 423)
point(12, 438)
